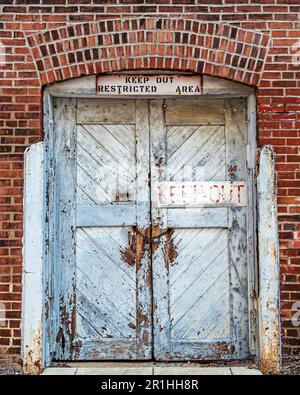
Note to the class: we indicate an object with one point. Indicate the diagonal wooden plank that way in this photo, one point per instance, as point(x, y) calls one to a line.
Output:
point(207, 240)
point(108, 173)
point(131, 128)
point(98, 289)
point(176, 136)
point(117, 150)
point(181, 239)
point(112, 242)
point(198, 136)
point(84, 197)
point(103, 169)
point(118, 236)
point(204, 319)
point(209, 319)
point(97, 242)
point(123, 135)
point(103, 152)
point(92, 318)
point(106, 283)
point(189, 288)
point(102, 318)
point(185, 314)
point(90, 186)
point(196, 153)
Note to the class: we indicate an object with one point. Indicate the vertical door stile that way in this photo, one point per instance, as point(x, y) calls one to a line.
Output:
point(65, 165)
point(142, 233)
point(160, 264)
point(251, 227)
point(235, 126)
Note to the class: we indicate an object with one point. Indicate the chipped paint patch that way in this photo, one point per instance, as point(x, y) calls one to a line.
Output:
point(32, 306)
point(269, 313)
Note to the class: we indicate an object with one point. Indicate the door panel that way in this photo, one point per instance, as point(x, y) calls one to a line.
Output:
point(200, 268)
point(106, 163)
point(201, 263)
point(196, 153)
point(109, 316)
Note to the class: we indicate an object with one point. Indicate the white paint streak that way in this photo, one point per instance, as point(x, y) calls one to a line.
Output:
point(33, 260)
point(269, 315)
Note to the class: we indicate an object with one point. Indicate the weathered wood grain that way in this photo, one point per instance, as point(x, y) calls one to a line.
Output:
point(236, 156)
point(109, 193)
point(198, 276)
point(160, 239)
point(65, 181)
point(199, 264)
point(195, 111)
point(106, 110)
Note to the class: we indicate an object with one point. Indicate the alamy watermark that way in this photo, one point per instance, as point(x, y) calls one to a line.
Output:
point(2, 315)
point(296, 48)
point(296, 315)
point(2, 54)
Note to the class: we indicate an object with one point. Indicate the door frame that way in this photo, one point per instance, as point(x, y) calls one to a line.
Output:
point(46, 311)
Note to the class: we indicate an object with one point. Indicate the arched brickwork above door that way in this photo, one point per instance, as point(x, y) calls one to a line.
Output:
point(149, 43)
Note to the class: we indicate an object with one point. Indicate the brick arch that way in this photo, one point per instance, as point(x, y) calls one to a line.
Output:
point(149, 43)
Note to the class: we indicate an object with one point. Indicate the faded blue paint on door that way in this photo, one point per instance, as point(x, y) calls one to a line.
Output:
point(137, 281)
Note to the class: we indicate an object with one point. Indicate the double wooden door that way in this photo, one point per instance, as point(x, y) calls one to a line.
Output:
point(140, 280)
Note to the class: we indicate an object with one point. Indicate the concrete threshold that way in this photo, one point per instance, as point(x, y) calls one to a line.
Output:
point(147, 369)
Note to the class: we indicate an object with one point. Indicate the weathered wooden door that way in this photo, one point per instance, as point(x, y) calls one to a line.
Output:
point(200, 253)
point(139, 280)
point(103, 257)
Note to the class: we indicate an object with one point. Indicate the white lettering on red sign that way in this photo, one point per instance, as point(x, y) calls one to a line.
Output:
point(200, 194)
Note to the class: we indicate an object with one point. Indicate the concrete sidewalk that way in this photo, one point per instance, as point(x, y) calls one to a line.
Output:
point(151, 370)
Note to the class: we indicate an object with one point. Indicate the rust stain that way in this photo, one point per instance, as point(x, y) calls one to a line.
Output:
point(164, 236)
point(143, 324)
point(68, 321)
point(269, 355)
point(129, 254)
point(47, 310)
point(170, 252)
point(156, 236)
point(77, 347)
point(159, 162)
point(232, 169)
point(73, 317)
point(60, 338)
point(142, 318)
point(146, 337)
point(254, 293)
point(172, 248)
point(32, 359)
point(142, 238)
point(274, 252)
point(122, 197)
point(138, 238)
point(235, 224)
point(131, 325)
point(136, 249)
point(149, 277)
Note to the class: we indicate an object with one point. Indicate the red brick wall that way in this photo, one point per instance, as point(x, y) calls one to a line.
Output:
point(21, 77)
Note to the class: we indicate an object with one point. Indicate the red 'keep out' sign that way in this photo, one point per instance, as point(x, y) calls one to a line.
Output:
point(200, 194)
